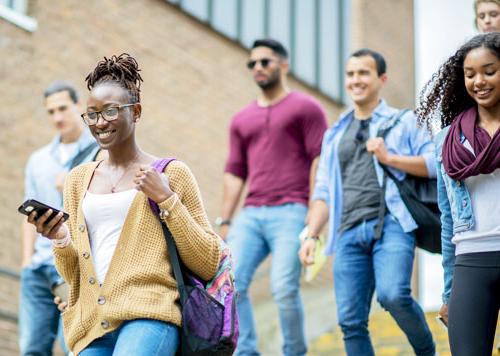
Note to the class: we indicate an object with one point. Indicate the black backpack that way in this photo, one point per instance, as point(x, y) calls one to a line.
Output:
point(420, 197)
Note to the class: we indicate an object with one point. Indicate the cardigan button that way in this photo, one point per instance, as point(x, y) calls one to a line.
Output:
point(92, 280)
point(81, 228)
point(105, 324)
point(458, 183)
point(86, 255)
point(101, 300)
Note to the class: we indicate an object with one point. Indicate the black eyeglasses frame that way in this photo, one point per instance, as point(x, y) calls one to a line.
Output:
point(92, 122)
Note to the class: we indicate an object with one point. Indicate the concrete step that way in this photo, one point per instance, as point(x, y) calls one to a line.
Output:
point(387, 338)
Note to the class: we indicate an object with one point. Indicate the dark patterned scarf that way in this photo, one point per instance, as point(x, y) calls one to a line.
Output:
point(459, 162)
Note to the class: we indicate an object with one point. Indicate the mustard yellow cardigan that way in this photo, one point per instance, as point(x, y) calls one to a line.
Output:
point(140, 281)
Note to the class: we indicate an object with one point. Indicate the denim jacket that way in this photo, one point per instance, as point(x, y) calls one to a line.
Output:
point(41, 171)
point(456, 211)
point(404, 139)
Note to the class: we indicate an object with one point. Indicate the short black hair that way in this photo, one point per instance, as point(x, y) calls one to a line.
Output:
point(60, 86)
point(122, 70)
point(379, 59)
point(276, 46)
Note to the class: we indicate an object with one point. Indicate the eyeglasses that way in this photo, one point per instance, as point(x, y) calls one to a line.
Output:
point(264, 62)
point(363, 125)
point(108, 114)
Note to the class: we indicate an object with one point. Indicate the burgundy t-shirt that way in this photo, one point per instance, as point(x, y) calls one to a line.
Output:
point(272, 148)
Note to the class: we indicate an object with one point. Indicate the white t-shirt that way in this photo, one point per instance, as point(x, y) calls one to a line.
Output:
point(484, 191)
point(105, 215)
point(66, 151)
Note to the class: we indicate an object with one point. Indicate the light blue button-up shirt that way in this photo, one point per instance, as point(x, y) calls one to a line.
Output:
point(404, 139)
point(41, 171)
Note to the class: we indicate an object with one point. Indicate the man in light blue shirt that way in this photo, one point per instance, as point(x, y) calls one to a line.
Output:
point(349, 192)
point(39, 317)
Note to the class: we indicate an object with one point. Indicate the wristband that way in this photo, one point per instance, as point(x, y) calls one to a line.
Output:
point(315, 238)
point(221, 222)
point(61, 242)
point(170, 202)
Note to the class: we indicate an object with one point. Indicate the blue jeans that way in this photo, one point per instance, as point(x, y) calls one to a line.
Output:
point(256, 232)
point(362, 265)
point(140, 337)
point(39, 319)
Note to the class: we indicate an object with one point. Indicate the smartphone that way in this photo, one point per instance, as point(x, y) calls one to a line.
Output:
point(441, 322)
point(61, 290)
point(31, 205)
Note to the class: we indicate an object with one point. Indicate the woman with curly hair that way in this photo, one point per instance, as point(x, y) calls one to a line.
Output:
point(112, 251)
point(464, 96)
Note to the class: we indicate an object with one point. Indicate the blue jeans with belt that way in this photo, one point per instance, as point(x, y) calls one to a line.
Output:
point(140, 337)
point(363, 265)
point(256, 233)
point(39, 319)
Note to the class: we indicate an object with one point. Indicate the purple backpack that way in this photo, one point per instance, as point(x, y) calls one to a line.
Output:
point(209, 317)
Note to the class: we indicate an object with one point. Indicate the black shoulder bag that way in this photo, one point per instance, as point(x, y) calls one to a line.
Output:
point(420, 197)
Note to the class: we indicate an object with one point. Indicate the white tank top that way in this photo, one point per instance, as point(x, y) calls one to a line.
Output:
point(105, 215)
point(485, 235)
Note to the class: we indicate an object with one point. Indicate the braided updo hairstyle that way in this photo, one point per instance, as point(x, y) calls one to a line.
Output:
point(445, 96)
point(122, 70)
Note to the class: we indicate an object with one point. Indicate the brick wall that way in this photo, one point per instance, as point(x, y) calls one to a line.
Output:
point(8, 307)
point(194, 81)
point(387, 27)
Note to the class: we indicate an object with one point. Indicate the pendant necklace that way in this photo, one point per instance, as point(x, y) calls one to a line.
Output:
point(114, 185)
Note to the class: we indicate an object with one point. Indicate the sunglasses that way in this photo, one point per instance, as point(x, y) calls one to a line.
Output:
point(363, 125)
point(264, 62)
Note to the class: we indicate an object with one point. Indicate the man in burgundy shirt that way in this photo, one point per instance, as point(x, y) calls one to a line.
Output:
point(275, 142)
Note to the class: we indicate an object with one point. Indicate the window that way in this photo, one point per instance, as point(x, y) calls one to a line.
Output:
point(225, 17)
point(315, 32)
point(15, 11)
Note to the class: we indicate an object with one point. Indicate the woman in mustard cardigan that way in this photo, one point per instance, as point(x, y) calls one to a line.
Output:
point(112, 251)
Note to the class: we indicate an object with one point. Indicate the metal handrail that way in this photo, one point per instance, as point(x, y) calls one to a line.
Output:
point(9, 272)
point(9, 316)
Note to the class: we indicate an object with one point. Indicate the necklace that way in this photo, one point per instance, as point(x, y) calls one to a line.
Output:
point(115, 184)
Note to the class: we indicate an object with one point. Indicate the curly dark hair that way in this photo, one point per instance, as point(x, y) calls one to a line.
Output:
point(445, 95)
point(123, 70)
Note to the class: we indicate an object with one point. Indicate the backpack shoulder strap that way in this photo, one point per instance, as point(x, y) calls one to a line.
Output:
point(162, 163)
point(387, 126)
point(384, 129)
point(159, 165)
point(92, 148)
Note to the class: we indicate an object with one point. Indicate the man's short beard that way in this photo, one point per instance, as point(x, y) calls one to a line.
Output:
point(269, 84)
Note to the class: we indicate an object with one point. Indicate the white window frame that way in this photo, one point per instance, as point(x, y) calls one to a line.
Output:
point(17, 15)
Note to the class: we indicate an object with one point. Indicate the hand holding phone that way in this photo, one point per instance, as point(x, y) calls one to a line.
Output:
point(48, 221)
point(442, 322)
point(31, 205)
point(442, 317)
point(61, 291)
